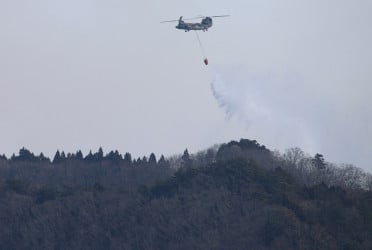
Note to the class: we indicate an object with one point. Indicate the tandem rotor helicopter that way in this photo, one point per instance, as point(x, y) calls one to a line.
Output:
point(204, 25)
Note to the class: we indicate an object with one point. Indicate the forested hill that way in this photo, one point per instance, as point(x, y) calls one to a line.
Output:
point(239, 195)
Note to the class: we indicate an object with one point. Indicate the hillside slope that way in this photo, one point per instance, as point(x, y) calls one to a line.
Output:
point(242, 199)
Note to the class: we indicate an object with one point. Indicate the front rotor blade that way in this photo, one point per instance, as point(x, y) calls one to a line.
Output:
point(221, 16)
point(192, 18)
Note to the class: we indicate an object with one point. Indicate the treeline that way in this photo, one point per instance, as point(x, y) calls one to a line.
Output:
point(60, 157)
point(73, 170)
point(315, 170)
point(238, 195)
point(305, 169)
point(115, 169)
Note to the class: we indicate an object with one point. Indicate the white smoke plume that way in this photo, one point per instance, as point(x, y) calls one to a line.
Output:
point(282, 112)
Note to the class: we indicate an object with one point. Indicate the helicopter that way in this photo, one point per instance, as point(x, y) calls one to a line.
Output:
point(204, 25)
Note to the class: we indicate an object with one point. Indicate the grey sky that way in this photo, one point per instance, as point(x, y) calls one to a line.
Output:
point(79, 74)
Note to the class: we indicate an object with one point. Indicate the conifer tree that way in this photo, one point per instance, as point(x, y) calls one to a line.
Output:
point(162, 162)
point(162, 159)
point(42, 157)
point(57, 157)
point(99, 154)
point(318, 161)
point(89, 156)
point(25, 155)
point(128, 158)
point(79, 155)
point(63, 156)
point(152, 159)
point(185, 159)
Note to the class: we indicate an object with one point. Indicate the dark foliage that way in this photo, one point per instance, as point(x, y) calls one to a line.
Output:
point(241, 196)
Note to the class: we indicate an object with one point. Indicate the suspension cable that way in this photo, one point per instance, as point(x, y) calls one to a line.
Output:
point(200, 44)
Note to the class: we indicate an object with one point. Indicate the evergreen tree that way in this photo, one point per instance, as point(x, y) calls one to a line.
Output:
point(89, 156)
point(114, 156)
point(43, 158)
point(318, 161)
point(152, 159)
point(185, 159)
point(118, 156)
point(139, 161)
point(128, 158)
point(63, 156)
point(99, 154)
point(79, 155)
point(25, 155)
point(162, 162)
point(162, 159)
point(57, 157)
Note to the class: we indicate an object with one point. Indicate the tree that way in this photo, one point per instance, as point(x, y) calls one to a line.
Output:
point(43, 158)
point(114, 156)
point(79, 155)
point(99, 154)
point(152, 159)
point(57, 157)
point(319, 162)
point(185, 159)
point(162, 162)
point(128, 158)
point(185, 156)
point(350, 176)
point(294, 156)
point(89, 156)
point(63, 156)
point(138, 161)
point(26, 155)
point(210, 155)
point(369, 182)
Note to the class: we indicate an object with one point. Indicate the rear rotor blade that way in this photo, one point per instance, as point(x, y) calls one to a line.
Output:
point(185, 19)
point(198, 17)
point(170, 21)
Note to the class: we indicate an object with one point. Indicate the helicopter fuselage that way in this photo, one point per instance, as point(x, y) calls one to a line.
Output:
point(205, 24)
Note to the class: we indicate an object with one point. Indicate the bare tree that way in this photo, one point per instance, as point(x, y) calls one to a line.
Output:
point(294, 156)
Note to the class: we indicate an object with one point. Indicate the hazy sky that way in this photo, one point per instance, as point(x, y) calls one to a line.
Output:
point(79, 74)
